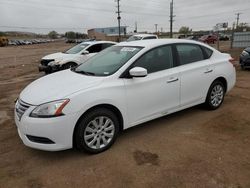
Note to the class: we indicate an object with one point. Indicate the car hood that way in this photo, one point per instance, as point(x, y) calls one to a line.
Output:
point(57, 86)
point(59, 55)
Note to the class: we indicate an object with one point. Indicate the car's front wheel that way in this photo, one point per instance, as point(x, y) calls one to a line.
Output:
point(215, 95)
point(97, 130)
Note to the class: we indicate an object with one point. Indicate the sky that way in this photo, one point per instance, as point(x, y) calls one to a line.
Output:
point(42, 16)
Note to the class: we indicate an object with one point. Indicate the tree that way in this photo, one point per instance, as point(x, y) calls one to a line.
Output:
point(2, 33)
point(70, 35)
point(185, 30)
point(53, 34)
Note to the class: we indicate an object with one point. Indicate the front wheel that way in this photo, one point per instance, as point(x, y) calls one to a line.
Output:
point(97, 131)
point(215, 95)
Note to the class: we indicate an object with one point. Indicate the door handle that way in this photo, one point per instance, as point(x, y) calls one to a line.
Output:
point(172, 80)
point(208, 71)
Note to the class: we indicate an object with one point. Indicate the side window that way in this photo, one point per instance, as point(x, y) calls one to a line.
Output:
point(151, 37)
point(208, 52)
point(106, 45)
point(189, 53)
point(95, 48)
point(158, 59)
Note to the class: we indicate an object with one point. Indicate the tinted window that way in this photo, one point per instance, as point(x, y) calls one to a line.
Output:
point(156, 60)
point(189, 53)
point(151, 37)
point(106, 45)
point(208, 52)
point(95, 48)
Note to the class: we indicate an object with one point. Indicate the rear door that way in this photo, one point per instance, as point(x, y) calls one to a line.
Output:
point(195, 73)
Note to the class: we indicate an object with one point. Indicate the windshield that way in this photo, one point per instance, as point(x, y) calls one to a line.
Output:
point(108, 61)
point(76, 49)
point(133, 38)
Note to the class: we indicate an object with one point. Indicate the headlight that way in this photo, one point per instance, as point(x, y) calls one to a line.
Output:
point(51, 109)
point(244, 53)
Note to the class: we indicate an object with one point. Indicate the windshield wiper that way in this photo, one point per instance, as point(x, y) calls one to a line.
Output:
point(85, 72)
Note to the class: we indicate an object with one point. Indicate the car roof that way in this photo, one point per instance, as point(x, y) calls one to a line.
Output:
point(98, 42)
point(158, 42)
point(144, 35)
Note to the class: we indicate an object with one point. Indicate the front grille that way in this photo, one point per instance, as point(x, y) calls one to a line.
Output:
point(45, 62)
point(21, 108)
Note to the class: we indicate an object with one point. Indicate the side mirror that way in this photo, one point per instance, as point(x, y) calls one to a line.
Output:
point(85, 52)
point(138, 72)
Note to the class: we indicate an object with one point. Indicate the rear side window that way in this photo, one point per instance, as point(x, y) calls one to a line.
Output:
point(189, 53)
point(151, 37)
point(95, 48)
point(208, 52)
point(106, 45)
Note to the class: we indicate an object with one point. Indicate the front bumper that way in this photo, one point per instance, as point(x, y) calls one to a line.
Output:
point(49, 69)
point(59, 130)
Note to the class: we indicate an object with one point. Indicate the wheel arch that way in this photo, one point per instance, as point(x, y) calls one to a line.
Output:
point(107, 106)
point(223, 80)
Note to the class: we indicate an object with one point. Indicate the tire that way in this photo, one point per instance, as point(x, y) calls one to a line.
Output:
point(242, 67)
point(96, 131)
point(68, 65)
point(215, 95)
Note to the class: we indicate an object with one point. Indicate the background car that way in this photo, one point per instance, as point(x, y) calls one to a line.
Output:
point(245, 58)
point(142, 37)
point(209, 39)
point(72, 57)
point(123, 86)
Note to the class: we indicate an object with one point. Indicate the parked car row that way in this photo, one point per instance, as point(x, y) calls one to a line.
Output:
point(78, 40)
point(17, 42)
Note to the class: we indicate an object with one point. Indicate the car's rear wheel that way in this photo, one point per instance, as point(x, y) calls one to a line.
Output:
point(215, 95)
point(97, 130)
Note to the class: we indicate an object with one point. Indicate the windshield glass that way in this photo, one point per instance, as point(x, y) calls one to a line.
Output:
point(76, 49)
point(108, 61)
point(133, 38)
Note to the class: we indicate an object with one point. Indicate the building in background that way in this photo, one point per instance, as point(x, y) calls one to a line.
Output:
point(108, 33)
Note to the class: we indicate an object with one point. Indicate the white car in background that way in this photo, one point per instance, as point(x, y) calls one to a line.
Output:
point(72, 57)
point(120, 87)
point(142, 37)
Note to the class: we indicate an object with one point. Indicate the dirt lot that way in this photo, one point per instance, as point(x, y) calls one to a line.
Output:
point(192, 148)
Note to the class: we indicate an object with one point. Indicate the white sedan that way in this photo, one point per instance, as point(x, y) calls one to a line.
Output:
point(123, 86)
point(73, 56)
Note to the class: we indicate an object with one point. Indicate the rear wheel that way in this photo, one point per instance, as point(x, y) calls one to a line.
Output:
point(215, 95)
point(97, 131)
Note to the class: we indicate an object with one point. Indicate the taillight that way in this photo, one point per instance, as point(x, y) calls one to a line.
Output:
point(231, 60)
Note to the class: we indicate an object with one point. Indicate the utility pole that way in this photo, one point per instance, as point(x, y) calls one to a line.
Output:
point(171, 18)
point(237, 19)
point(135, 31)
point(119, 18)
point(156, 25)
